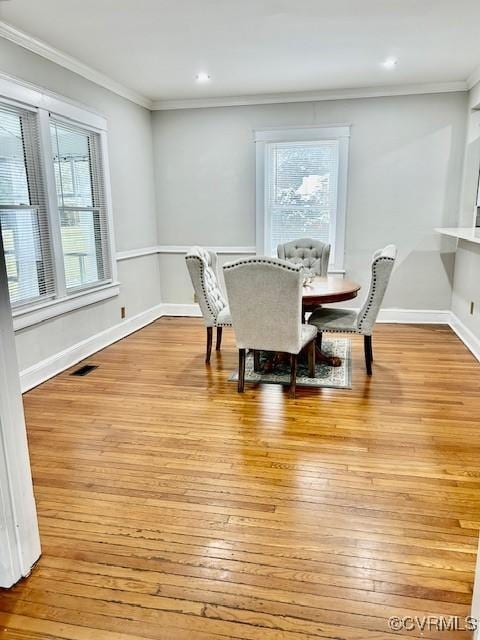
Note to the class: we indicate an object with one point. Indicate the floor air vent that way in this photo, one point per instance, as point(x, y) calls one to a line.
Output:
point(85, 370)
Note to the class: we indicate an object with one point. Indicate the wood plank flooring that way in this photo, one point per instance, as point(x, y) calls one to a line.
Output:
point(173, 508)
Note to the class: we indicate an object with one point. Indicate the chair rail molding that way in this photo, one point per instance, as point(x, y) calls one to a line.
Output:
point(136, 253)
point(228, 250)
point(174, 248)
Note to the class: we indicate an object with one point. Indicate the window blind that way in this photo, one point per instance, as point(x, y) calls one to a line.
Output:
point(23, 209)
point(301, 183)
point(81, 205)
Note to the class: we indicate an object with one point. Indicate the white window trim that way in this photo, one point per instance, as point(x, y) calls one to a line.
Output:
point(30, 95)
point(34, 98)
point(340, 132)
point(23, 318)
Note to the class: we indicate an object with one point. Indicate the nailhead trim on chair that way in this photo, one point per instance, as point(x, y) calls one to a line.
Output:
point(278, 263)
point(337, 330)
point(359, 327)
point(374, 284)
point(207, 301)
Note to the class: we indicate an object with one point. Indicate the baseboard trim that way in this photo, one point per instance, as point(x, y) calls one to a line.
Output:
point(42, 371)
point(469, 339)
point(414, 316)
point(393, 316)
point(183, 310)
point(403, 316)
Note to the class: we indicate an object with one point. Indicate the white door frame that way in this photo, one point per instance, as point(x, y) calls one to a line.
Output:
point(19, 537)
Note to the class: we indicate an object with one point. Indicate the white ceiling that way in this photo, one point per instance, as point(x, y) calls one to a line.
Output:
point(156, 47)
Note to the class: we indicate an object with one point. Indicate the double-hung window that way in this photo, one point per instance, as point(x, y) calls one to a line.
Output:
point(55, 212)
point(23, 209)
point(81, 205)
point(301, 188)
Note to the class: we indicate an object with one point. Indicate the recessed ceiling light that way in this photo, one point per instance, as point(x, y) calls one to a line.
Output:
point(202, 77)
point(390, 63)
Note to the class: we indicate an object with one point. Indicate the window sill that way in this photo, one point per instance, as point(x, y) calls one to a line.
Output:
point(23, 318)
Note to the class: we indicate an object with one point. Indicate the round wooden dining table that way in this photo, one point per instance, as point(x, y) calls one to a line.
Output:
point(327, 290)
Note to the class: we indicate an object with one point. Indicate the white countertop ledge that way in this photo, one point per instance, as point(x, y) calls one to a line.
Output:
point(462, 233)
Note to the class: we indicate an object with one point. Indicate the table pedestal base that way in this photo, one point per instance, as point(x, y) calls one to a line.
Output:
point(321, 356)
point(275, 358)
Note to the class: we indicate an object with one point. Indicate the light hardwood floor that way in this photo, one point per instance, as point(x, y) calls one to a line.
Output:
point(172, 507)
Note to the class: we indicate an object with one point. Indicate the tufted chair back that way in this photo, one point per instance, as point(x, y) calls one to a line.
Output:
point(202, 266)
point(310, 253)
point(265, 299)
point(382, 265)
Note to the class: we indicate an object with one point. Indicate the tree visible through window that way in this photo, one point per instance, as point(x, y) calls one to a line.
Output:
point(301, 191)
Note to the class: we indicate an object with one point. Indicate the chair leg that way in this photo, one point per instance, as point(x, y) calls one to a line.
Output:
point(293, 374)
point(319, 340)
point(209, 344)
point(311, 359)
point(367, 344)
point(241, 370)
point(219, 339)
point(256, 359)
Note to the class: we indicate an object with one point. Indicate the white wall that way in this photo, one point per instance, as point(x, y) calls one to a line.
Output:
point(406, 158)
point(133, 194)
point(466, 286)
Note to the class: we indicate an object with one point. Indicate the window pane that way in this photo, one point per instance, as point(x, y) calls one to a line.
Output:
point(23, 254)
point(80, 230)
point(13, 172)
point(301, 197)
point(23, 213)
point(71, 156)
point(81, 205)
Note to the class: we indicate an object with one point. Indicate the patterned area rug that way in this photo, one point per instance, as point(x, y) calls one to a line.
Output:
point(336, 377)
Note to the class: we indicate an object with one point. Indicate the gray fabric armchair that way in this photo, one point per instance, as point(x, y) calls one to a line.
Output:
point(363, 321)
point(265, 297)
point(202, 266)
point(310, 253)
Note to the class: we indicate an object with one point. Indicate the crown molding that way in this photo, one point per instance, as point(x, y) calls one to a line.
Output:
point(43, 49)
point(33, 96)
point(311, 96)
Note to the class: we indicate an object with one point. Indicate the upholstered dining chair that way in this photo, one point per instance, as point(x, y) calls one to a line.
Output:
point(202, 266)
point(362, 322)
point(265, 297)
point(310, 253)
